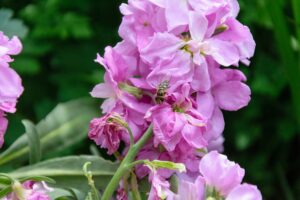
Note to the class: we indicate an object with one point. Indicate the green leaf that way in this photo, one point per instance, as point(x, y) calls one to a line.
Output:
point(5, 191)
point(34, 143)
point(67, 171)
point(37, 179)
point(64, 127)
point(10, 26)
point(285, 49)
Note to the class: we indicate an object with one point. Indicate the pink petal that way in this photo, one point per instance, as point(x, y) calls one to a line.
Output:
point(197, 25)
point(10, 89)
point(216, 125)
point(103, 90)
point(220, 173)
point(176, 13)
point(201, 80)
point(245, 192)
point(205, 104)
point(162, 47)
point(193, 136)
point(14, 46)
point(240, 36)
point(225, 53)
point(232, 95)
point(108, 105)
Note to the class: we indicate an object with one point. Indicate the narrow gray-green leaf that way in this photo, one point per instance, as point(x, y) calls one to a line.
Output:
point(34, 143)
point(67, 171)
point(64, 127)
point(37, 179)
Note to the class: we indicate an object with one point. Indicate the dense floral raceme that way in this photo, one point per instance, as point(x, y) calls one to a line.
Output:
point(10, 83)
point(29, 190)
point(177, 69)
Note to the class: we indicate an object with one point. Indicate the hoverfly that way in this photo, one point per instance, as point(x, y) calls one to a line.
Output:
point(161, 92)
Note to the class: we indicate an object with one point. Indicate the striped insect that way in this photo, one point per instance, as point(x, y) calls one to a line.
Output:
point(161, 92)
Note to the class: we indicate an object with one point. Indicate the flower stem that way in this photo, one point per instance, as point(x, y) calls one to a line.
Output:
point(126, 164)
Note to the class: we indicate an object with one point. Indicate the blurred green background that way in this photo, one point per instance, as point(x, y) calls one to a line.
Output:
point(61, 39)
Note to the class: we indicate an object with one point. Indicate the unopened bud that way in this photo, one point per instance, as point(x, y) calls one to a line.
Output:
point(220, 29)
point(138, 93)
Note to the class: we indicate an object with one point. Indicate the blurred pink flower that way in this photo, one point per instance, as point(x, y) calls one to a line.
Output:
point(10, 83)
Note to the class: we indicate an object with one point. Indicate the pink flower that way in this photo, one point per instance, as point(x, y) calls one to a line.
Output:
point(160, 188)
point(244, 192)
point(176, 119)
point(189, 190)
point(177, 11)
point(141, 20)
point(117, 86)
point(10, 89)
point(225, 177)
point(220, 173)
point(219, 179)
point(10, 83)
point(107, 132)
point(30, 191)
point(228, 92)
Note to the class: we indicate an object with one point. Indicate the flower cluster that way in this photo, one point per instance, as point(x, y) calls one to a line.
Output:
point(10, 83)
point(219, 179)
point(176, 68)
point(29, 190)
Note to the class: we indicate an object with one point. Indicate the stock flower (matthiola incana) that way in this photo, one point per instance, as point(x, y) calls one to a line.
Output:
point(10, 83)
point(141, 20)
point(176, 119)
point(219, 173)
point(168, 71)
point(107, 131)
point(116, 86)
point(29, 190)
point(228, 91)
point(160, 188)
point(189, 190)
point(219, 179)
point(176, 11)
point(10, 89)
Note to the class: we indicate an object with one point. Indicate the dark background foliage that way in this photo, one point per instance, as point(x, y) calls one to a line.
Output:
point(60, 44)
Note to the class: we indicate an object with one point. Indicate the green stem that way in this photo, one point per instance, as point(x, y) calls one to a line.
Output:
point(134, 186)
point(130, 135)
point(126, 164)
